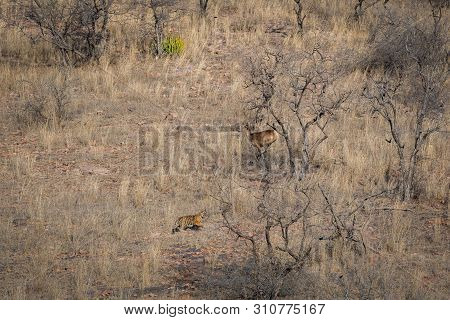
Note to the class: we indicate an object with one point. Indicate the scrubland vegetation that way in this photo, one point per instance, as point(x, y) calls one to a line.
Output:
point(118, 117)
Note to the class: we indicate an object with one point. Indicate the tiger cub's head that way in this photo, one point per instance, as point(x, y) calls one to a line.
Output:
point(199, 217)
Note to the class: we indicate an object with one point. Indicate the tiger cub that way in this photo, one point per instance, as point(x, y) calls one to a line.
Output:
point(189, 222)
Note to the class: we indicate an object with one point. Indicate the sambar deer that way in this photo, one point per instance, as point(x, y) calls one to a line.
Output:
point(262, 140)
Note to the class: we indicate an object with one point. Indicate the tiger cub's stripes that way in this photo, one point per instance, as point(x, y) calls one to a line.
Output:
point(189, 222)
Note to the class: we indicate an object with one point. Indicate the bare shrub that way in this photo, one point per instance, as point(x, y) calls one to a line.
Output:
point(274, 252)
point(295, 92)
point(346, 223)
point(162, 12)
point(78, 30)
point(45, 101)
point(410, 93)
point(286, 227)
point(401, 35)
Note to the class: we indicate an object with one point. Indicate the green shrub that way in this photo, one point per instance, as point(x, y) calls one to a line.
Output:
point(173, 45)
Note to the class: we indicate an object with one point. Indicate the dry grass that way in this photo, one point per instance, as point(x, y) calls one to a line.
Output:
point(78, 220)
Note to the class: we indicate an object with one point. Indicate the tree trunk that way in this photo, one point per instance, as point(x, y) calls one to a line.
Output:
point(403, 178)
point(300, 16)
point(408, 186)
point(279, 283)
point(290, 148)
point(203, 6)
point(268, 240)
point(158, 37)
point(358, 10)
point(305, 155)
point(292, 166)
point(409, 183)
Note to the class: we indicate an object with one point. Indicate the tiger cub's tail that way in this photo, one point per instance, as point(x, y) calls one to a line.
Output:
point(176, 227)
